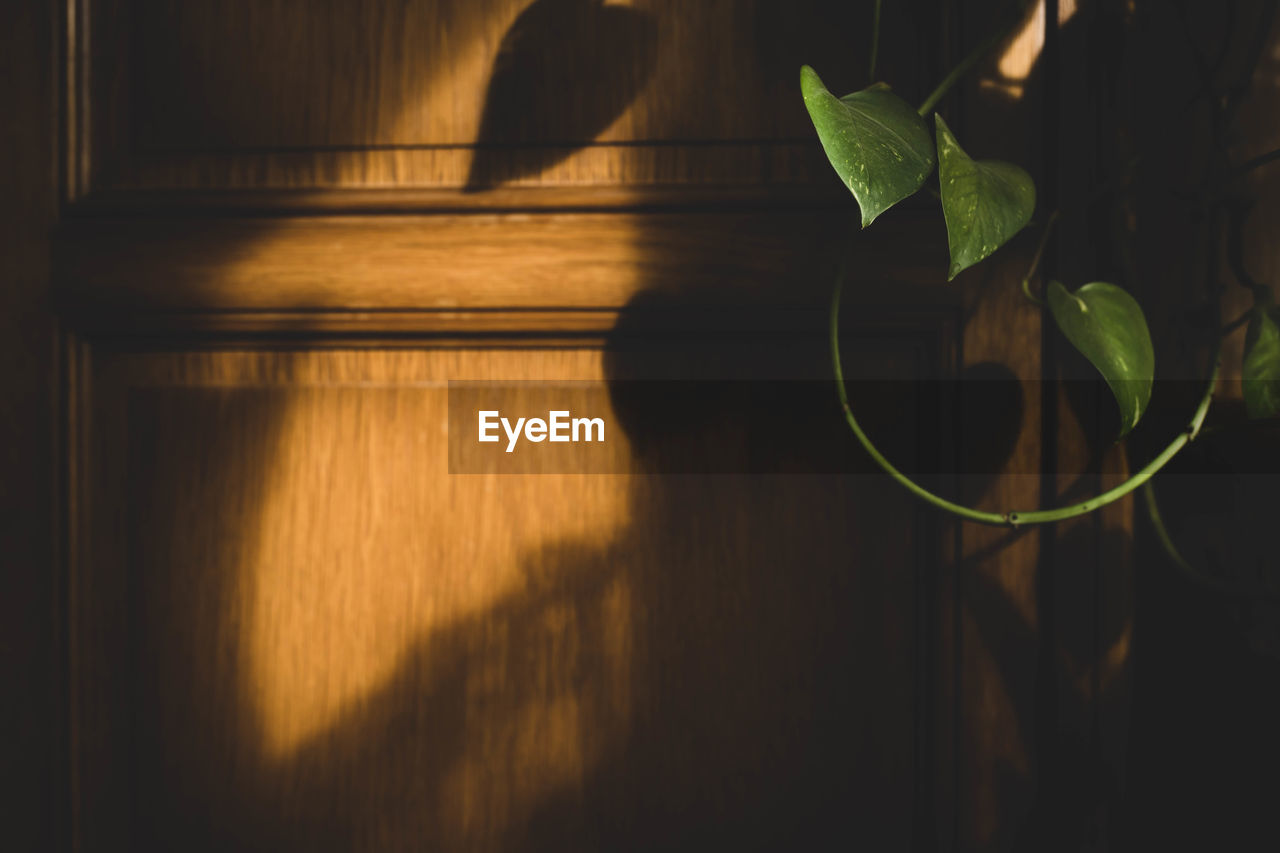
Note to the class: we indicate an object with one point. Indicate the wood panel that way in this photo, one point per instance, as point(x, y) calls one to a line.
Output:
point(291, 627)
point(294, 628)
point(452, 94)
point(990, 628)
point(490, 261)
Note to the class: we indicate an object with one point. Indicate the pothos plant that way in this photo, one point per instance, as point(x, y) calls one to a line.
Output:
point(884, 150)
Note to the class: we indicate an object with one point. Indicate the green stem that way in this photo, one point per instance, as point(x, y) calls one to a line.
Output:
point(1162, 533)
point(1018, 518)
point(1235, 324)
point(1260, 160)
point(1026, 291)
point(1213, 582)
point(875, 43)
point(963, 68)
point(1035, 260)
point(1239, 216)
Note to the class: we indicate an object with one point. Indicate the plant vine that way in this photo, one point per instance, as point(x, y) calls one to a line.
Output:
point(883, 150)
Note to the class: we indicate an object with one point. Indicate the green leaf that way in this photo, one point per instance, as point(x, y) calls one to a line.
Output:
point(985, 202)
point(1106, 324)
point(877, 143)
point(1261, 370)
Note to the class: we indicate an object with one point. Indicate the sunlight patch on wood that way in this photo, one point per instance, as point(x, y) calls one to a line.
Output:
point(362, 579)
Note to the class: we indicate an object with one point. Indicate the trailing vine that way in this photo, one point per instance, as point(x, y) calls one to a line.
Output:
point(884, 150)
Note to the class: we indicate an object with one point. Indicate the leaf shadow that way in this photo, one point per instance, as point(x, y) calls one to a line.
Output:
point(565, 71)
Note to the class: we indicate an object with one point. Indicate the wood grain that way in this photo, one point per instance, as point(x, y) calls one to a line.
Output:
point(291, 627)
point(483, 261)
point(996, 629)
point(337, 644)
point(445, 93)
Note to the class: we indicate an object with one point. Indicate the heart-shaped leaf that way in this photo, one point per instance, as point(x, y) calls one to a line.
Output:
point(877, 143)
point(985, 202)
point(1261, 371)
point(1106, 324)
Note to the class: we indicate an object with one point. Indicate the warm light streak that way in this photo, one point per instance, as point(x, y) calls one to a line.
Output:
point(375, 564)
point(1023, 50)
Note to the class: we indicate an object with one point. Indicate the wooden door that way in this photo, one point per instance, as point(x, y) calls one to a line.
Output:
point(288, 624)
